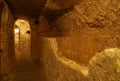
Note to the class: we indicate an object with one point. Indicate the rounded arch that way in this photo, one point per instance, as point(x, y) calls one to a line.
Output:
point(22, 39)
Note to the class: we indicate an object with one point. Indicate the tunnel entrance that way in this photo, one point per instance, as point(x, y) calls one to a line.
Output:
point(22, 39)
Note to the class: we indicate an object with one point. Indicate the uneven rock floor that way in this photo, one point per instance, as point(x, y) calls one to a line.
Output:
point(24, 70)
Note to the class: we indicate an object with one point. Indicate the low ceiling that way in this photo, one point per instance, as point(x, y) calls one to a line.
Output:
point(31, 8)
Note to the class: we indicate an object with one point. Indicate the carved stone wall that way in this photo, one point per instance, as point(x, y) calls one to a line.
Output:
point(7, 42)
point(89, 27)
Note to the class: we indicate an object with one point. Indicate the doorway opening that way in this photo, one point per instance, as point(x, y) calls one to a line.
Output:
point(22, 39)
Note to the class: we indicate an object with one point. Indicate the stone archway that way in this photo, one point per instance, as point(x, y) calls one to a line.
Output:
point(22, 39)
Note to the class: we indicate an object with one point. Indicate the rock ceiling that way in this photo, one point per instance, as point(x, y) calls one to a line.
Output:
point(33, 8)
point(30, 8)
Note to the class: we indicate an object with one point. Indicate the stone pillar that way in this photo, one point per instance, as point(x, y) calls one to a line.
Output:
point(34, 44)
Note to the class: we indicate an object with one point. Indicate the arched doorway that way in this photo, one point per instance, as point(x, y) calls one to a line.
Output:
point(22, 39)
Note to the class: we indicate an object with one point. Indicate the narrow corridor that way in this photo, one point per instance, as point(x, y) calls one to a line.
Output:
point(59, 40)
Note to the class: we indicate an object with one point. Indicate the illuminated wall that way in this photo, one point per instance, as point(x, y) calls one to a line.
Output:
point(22, 39)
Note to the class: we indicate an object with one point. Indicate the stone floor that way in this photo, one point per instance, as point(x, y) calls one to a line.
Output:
point(24, 70)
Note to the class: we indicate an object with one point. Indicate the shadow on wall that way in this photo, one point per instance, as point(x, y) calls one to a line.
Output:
point(53, 14)
point(65, 3)
point(53, 31)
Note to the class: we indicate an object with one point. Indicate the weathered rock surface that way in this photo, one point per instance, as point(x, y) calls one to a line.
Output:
point(90, 24)
point(6, 42)
point(69, 35)
point(105, 66)
point(59, 68)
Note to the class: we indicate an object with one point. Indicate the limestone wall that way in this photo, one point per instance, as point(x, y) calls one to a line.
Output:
point(103, 66)
point(56, 67)
point(1, 9)
point(10, 25)
point(90, 27)
point(46, 54)
point(7, 40)
point(65, 41)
